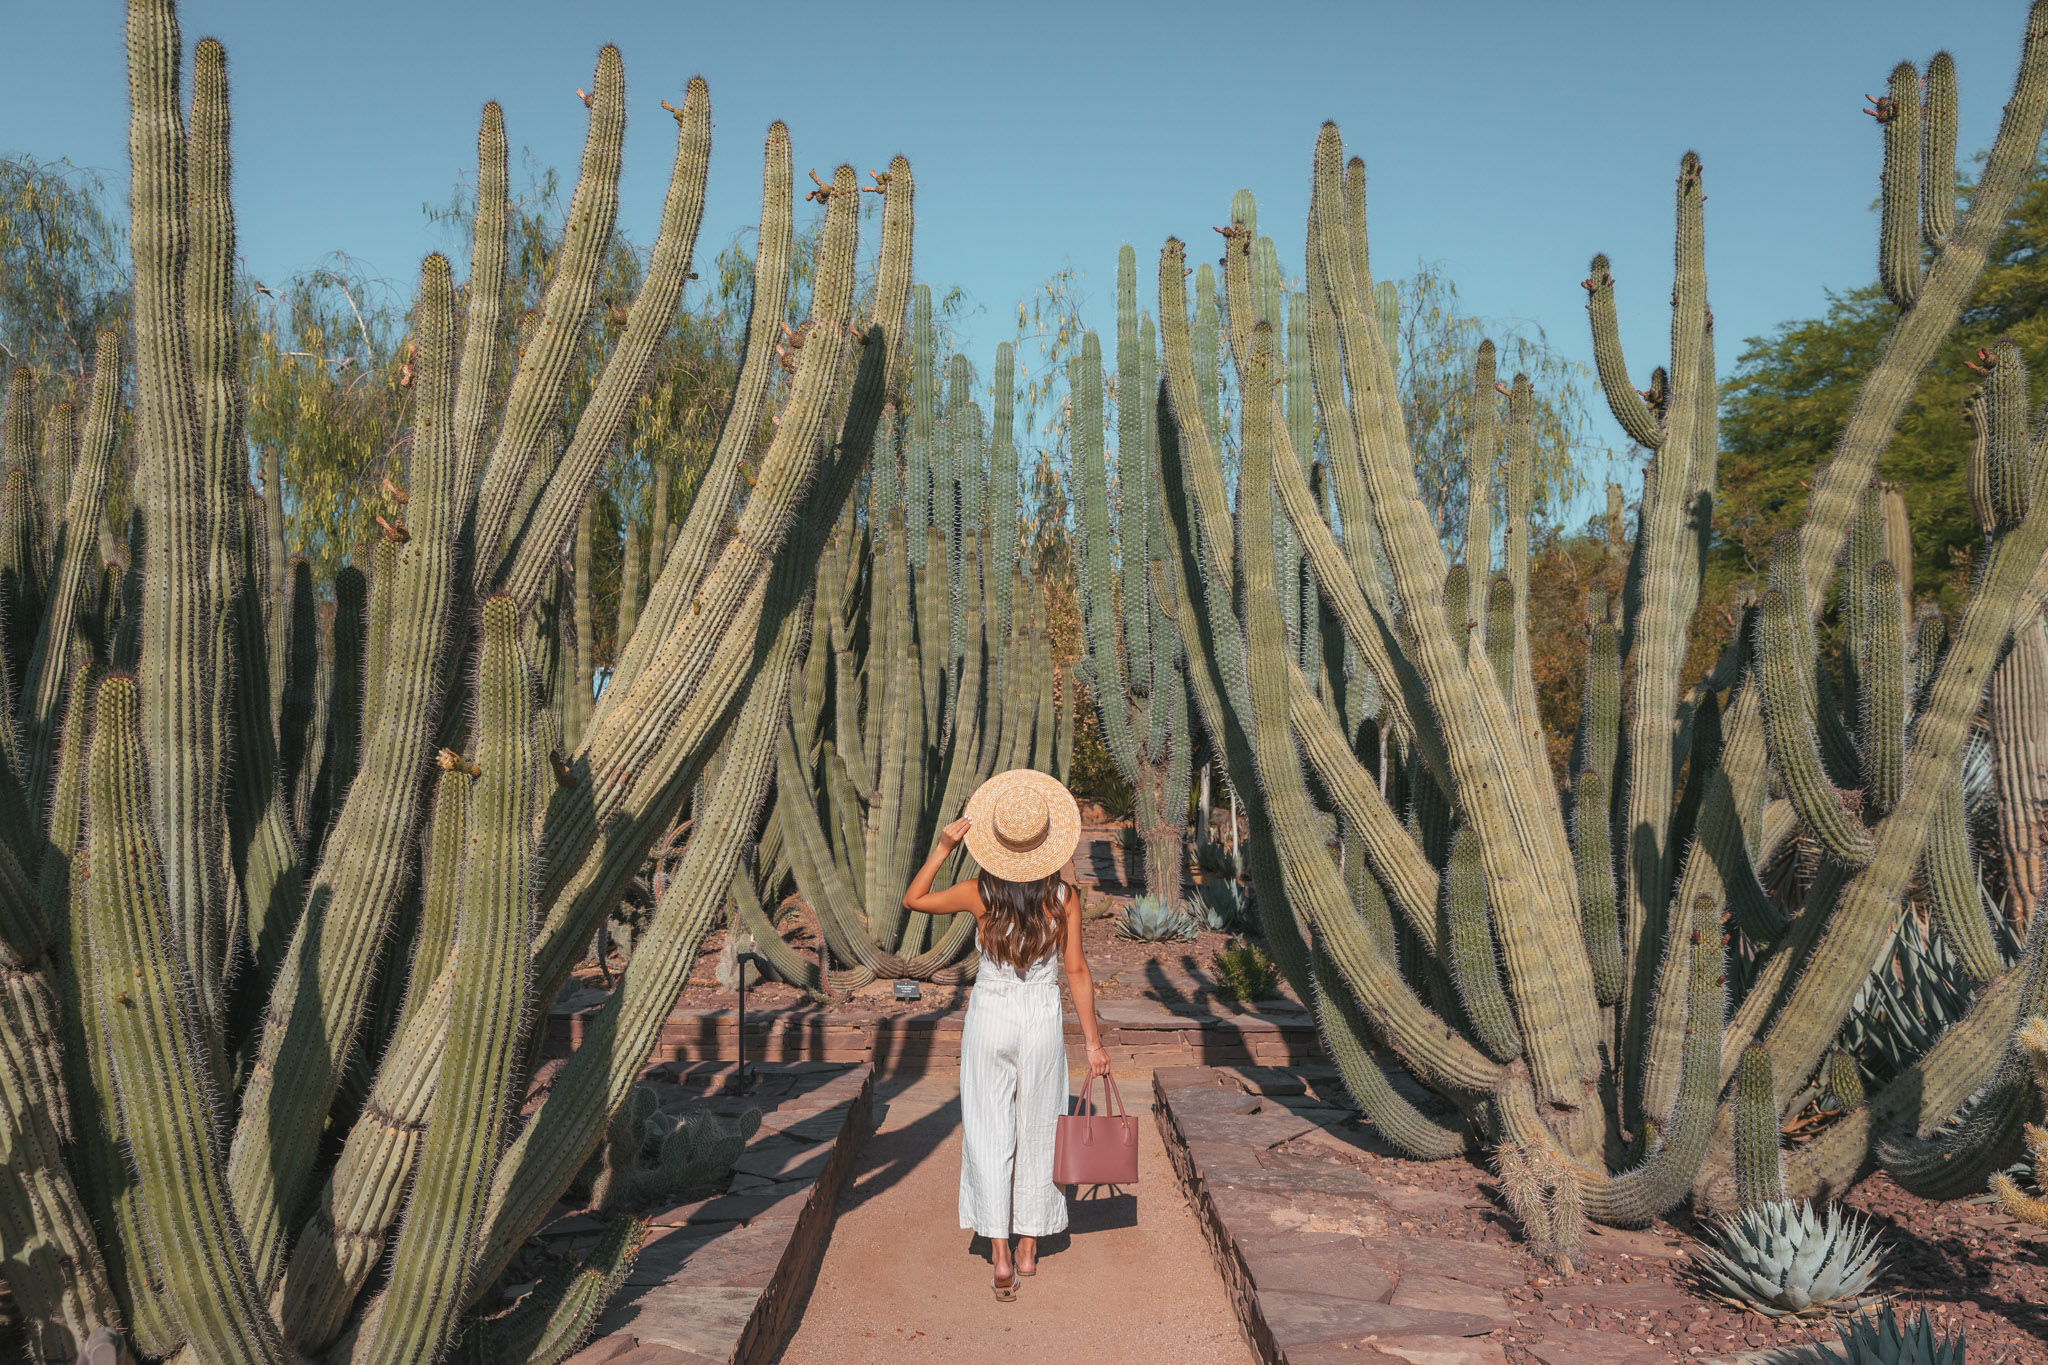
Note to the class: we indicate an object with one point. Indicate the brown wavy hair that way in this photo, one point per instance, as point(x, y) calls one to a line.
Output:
point(1022, 921)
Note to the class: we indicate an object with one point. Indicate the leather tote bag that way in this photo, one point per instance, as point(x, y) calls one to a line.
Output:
point(1096, 1148)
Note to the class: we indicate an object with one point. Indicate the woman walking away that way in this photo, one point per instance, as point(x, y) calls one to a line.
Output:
point(1021, 828)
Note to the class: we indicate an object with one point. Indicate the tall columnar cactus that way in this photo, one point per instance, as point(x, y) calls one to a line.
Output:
point(939, 675)
point(1586, 957)
point(1133, 676)
point(218, 921)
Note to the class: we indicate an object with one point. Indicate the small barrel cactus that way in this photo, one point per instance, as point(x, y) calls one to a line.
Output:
point(1149, 919)
point(1782, 1260)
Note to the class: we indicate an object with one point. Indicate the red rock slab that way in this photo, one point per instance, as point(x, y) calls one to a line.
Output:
point(779, 1160)
point(1638, 1298)
point(1483, 1263)
point(1423, 1203)
point(1214, 1101)
point(1453, 1296)
point(1334, 1266)
point(1297, 1319)
point(732, 1208)
point(1576, 1346)
point(1255, 1213)
point(1167, 1080)
point(1269, 1080)
point(1419, 1350)
point(1332, 1180)
point(1248, 1130)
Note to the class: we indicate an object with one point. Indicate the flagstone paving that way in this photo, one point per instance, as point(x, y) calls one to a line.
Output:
point(1131, 1281)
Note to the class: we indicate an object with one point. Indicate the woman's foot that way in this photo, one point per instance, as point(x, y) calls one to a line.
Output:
point(1004, 1280)
point(1027, 1255)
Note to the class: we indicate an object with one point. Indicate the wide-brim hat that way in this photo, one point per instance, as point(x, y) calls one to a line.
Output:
point(1026, 825)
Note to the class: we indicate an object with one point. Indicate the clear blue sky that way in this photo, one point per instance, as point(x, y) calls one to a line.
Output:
point(1505, 142)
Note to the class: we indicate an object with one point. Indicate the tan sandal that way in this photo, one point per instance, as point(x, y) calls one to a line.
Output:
point(1005, 1293)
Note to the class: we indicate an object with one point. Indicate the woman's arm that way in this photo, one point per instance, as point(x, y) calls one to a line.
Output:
point(1082, 983)
point(959, 898)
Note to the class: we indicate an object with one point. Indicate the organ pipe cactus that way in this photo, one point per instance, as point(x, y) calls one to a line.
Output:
point(940, 674)
point(1605, 935)
point(1135, 681)
point(217, 926)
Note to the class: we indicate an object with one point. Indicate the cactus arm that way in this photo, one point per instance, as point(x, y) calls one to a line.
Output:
point(1759, 1171)
point(1954, 895)
point(177, 671)
point(917, 444)
point(325, 980)
point(532, 551)
point(2019, 753)
point(1988, 1134)
point(704, 528)
point(47, 679)
point(1397, 861)
point(1857, 931)
point(1481, 441)
point(1593, 853)
point(160, 1064)
point(1788, 718)
point(1465, 933)
point(533, 406)
point(1424, 1136)
point(1660, 1180)
point(1899, 197)
point(643, 722)
point(1923, 1097)
point(1668, 590)
point(1312, 880)
point(1938, 153)
point(1623, 400)
point(264, 898)
point(1112, 689)
point(550, 1324)
point(415, 1316)
point(483, 345)
point(1549, 978)
point(1881, 690)
point(1910, 346)
point(1518, 485)
point(553, 1146)
point(1365, 626)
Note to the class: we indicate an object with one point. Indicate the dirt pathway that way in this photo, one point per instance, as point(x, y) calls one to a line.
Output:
point(1130, 1282)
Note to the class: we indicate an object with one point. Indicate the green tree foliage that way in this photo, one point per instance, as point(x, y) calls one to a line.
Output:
point(1792, 391)
point(1436, 343)
point(63, 265)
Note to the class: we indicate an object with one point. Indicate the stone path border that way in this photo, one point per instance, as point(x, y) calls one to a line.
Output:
point(1327, 1264)
point(1139, 1034)
point(723, 1280)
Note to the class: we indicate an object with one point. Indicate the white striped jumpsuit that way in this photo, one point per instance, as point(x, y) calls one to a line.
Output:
point(1013, 1086)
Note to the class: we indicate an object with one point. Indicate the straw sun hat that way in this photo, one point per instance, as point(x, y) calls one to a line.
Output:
point(1026, 825)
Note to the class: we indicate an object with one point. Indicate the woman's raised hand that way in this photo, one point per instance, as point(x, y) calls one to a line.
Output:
point(952, 834)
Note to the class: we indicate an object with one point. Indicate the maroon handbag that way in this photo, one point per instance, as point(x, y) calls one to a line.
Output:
point(1091, 1148)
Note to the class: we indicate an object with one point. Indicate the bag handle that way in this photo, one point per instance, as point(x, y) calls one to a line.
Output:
point(1112, 1099)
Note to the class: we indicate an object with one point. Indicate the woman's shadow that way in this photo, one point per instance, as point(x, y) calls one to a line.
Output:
point(1090, 1209)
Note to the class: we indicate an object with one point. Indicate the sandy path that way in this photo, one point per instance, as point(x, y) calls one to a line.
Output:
point(1131, 1281)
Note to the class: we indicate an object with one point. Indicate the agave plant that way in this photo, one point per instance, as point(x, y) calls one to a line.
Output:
point(1879, 1340)
point(1225, 906)
point(1911, 1000)
point(1217, 861)
point(1782, 1260)
point(1149, 919)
